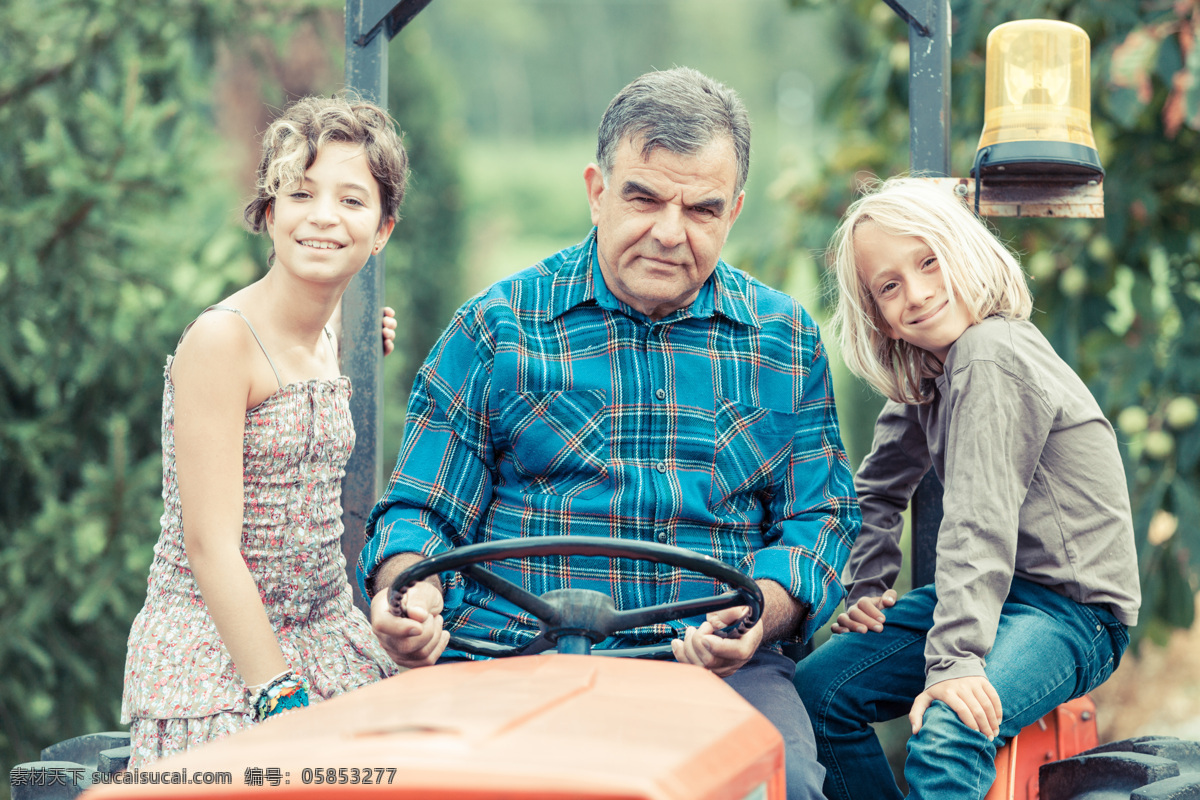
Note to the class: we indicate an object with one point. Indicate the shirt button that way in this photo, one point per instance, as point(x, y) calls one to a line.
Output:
point(661, 394)
point(661, 466)
point(662, 536)
point(1099, 628)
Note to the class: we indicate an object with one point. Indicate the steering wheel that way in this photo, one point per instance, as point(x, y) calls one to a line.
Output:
point(574, 619)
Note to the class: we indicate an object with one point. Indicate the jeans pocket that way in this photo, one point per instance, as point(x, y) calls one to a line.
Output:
point(1102, 672)
point(1119, 633)
point(1112, 637)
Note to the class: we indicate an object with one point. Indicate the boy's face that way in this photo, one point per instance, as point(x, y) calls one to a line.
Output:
point(661, 222)
point(906, 281)
point(326, 228)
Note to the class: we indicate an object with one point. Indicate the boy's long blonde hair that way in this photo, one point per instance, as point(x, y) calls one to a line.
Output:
point(979, 271)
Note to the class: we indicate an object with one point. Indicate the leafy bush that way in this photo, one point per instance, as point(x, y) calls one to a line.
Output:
point(117, 228)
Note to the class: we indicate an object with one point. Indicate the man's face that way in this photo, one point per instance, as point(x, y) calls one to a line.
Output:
point(661, 222)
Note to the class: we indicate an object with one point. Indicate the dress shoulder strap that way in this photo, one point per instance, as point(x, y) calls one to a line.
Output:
point(253, 333)
point(332, 343)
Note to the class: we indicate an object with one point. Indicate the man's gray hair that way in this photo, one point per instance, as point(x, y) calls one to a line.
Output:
point(679, 109)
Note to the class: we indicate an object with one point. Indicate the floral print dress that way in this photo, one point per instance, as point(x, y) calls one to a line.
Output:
point(181, 686)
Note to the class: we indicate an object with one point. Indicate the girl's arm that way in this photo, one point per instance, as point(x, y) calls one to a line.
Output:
point(213, 377)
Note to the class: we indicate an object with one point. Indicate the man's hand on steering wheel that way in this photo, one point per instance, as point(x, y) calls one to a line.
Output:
point(721, 656)
point(571, 619)
point(417, 639)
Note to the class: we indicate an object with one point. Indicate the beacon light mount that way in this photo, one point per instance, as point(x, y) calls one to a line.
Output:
point(1060, 182)
point(1037, 108)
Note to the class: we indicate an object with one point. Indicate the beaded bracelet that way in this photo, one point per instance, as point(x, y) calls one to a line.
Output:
point(253, 689)
point(284, 693)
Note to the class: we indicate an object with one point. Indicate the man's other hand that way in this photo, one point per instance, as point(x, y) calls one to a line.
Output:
point(723, 657)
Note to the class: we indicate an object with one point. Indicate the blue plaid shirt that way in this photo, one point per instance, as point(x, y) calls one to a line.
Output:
point(550, 407)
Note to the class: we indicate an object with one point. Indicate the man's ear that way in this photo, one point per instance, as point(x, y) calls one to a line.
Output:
point(733, 215)
point(737, 208)
point(593, 179)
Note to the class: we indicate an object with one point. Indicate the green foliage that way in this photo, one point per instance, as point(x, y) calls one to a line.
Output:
point(527, 86)
point(1119, 298)
point(117, 229)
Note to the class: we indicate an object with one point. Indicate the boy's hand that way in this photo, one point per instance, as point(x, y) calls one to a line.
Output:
point(973, 698)
point(389, 330)
point(865, 615)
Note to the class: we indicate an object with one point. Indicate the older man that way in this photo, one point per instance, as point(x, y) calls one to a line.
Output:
point(633, 386)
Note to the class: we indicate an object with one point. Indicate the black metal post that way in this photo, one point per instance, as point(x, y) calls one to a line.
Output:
point(928, 84)
point(362, 354)
point(929, 154)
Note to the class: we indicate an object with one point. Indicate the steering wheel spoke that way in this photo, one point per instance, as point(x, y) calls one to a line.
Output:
point(638, 617)
point(526, 601)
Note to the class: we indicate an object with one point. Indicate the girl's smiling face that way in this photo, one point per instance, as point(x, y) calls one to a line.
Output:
point(905, 280)
point(326, 228)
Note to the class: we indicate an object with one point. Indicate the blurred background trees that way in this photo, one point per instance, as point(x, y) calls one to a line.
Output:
point(1119, 298)
point(129, 149)
point(129, 144)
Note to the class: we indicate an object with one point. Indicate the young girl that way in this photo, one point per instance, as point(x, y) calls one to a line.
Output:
point(1036, 577)
point(249, 611)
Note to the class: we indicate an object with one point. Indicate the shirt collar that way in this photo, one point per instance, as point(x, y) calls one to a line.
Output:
point(579, 281)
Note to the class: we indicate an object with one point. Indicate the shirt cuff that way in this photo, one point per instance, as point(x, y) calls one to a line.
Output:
point(959, 668)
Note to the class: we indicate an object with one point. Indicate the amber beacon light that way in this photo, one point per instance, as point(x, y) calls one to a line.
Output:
point(1037, 112)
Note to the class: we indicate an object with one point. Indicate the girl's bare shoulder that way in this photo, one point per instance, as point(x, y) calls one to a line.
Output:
point(220, 332)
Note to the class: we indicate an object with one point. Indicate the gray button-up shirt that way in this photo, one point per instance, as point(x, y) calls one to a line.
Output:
point(1034, 487)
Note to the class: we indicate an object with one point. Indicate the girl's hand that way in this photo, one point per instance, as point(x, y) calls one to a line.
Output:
point(973, 698)
point(389, 330)
point(865, 615)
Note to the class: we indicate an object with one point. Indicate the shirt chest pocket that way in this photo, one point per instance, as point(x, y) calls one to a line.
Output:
point(556, 443)
point(752, 453)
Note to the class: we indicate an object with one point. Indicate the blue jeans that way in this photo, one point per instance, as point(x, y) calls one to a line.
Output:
point(1048, 650)
point(765, 682)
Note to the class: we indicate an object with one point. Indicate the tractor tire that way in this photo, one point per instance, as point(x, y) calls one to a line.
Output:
point(1144, 768)
point(66, 768)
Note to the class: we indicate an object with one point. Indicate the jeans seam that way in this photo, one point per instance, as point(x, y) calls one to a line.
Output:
point(826, 700)
point(1034, 701)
